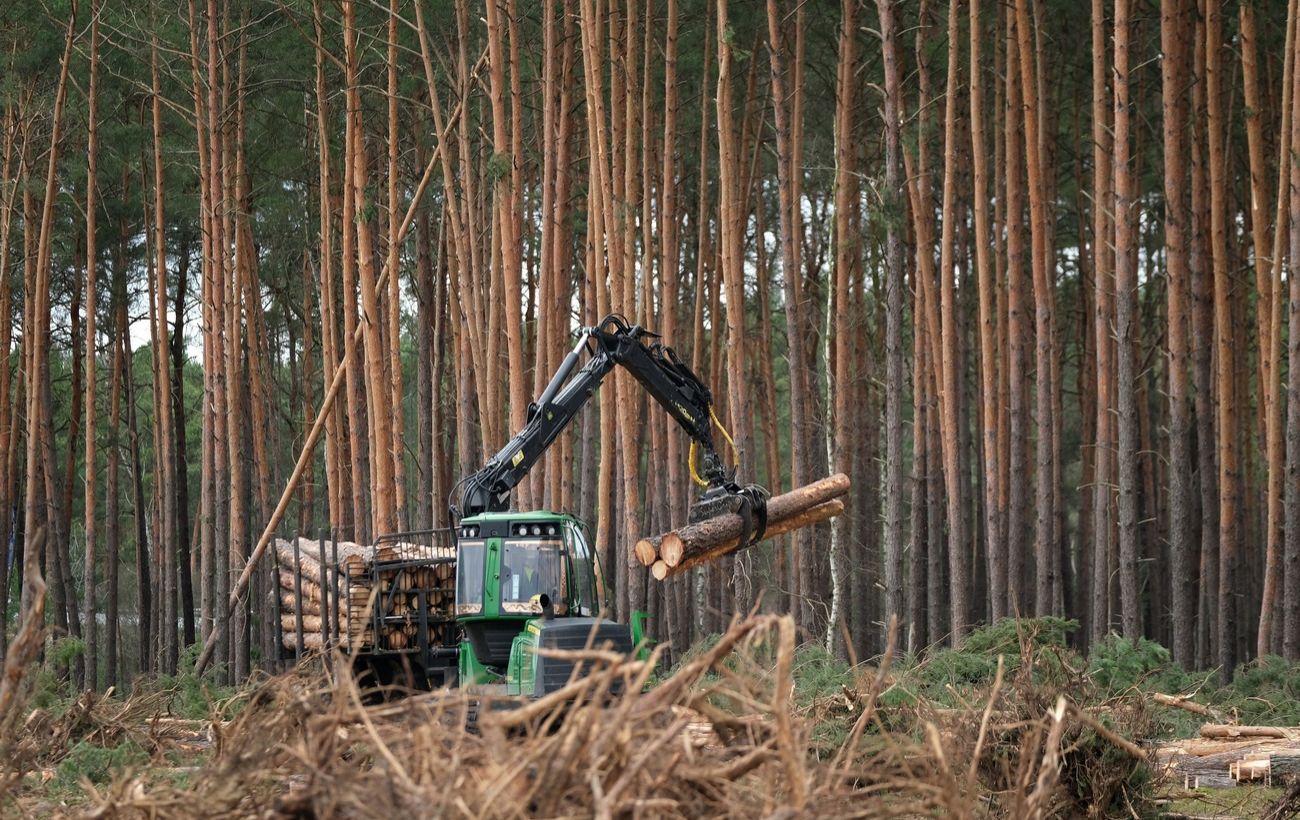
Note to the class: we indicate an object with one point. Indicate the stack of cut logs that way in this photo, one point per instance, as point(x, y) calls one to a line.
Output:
point(354, 598)
point(694, 544)
point(1227, 754)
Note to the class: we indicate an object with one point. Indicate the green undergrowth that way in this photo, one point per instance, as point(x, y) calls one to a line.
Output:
point(196, 696)
point(1266, 691)
point(97, 764)
point(189, 695)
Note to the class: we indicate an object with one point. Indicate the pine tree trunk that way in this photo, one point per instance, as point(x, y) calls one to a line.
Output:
point(180, 455)
point(1126, 334)
point(1103, 310)
point(377, 394)
point(1181, 476)
point(996, 545)
point(163, 410)
point(1269, 353)
point(1044, 330)
point(732, 220)
point(8, 422)
point(112, 497)
point(950, 378)
point(1017, 367)
point(1223, 340)
point(1291, 558)
point(144, 583)
point(39, 331)
point(90, 563)
point(1203, 373)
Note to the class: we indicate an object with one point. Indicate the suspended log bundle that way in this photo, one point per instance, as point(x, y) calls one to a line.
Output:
point(679, 550)
point(403, 583)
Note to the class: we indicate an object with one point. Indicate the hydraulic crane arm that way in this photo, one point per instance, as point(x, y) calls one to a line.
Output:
point(611, 343)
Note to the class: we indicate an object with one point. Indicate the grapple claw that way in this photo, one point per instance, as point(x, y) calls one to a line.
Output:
point(749, 502)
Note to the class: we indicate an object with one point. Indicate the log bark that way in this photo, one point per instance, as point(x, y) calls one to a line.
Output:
point(813, 515)
point(719, 530)
point(1285, 763)
point(309, 567)
point(675, 546)
point(289, 602)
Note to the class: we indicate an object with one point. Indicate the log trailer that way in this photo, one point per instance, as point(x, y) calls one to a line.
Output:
point(522, 580)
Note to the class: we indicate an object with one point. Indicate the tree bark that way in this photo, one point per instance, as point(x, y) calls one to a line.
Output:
point(950, 378)
point(1181, 475)
point(90, 563)
point(1103, 309)
point(807, 518)
point(163, 411)
point(1291, 558)
point(996, 545)
point(1126, 337)
point(1223, 338)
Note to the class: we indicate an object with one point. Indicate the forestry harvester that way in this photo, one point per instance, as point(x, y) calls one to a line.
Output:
point(523, 581)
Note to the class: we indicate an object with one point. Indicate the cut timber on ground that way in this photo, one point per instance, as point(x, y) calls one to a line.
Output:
point(717, 536)
point(1215, 730)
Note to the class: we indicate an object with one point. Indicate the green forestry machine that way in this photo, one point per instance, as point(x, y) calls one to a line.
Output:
point(525, 581)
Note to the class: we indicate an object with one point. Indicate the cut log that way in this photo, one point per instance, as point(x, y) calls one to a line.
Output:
point(308, 565)
point(1185, 703)
point(1244, 770)
point(646, 551)
point(310, 623)
point(288, 603)
point(818, 513)
point(671, 548)
point(310, 589)
point(1206, 748)
point(660, 570)
point(311, 641)
point(1285, 762)
point(702, 537)
point(1226, 731)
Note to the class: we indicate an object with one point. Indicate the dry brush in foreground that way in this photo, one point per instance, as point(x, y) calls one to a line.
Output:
point(725, 734)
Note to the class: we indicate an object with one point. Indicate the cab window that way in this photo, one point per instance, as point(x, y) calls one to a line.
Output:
point(529, 569)
point(584, 583)
point(469, 578)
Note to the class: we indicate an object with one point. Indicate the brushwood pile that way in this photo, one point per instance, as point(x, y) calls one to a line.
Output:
point(751, 723)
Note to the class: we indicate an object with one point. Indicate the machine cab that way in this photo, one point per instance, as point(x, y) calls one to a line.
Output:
point(511, 567)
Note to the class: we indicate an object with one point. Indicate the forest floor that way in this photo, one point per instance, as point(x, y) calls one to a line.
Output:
point(1014, 724)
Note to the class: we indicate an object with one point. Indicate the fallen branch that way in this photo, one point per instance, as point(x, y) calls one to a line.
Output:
point(1185, 703)
point(1106, 733)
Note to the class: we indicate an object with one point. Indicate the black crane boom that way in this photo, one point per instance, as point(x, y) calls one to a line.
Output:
point(611, 343)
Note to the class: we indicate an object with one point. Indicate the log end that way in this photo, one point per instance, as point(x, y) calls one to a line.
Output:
point(659, 569)
point(671, 549)
point(645, 552)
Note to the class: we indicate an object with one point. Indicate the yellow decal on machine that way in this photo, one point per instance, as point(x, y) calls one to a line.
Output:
point(518, 457)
